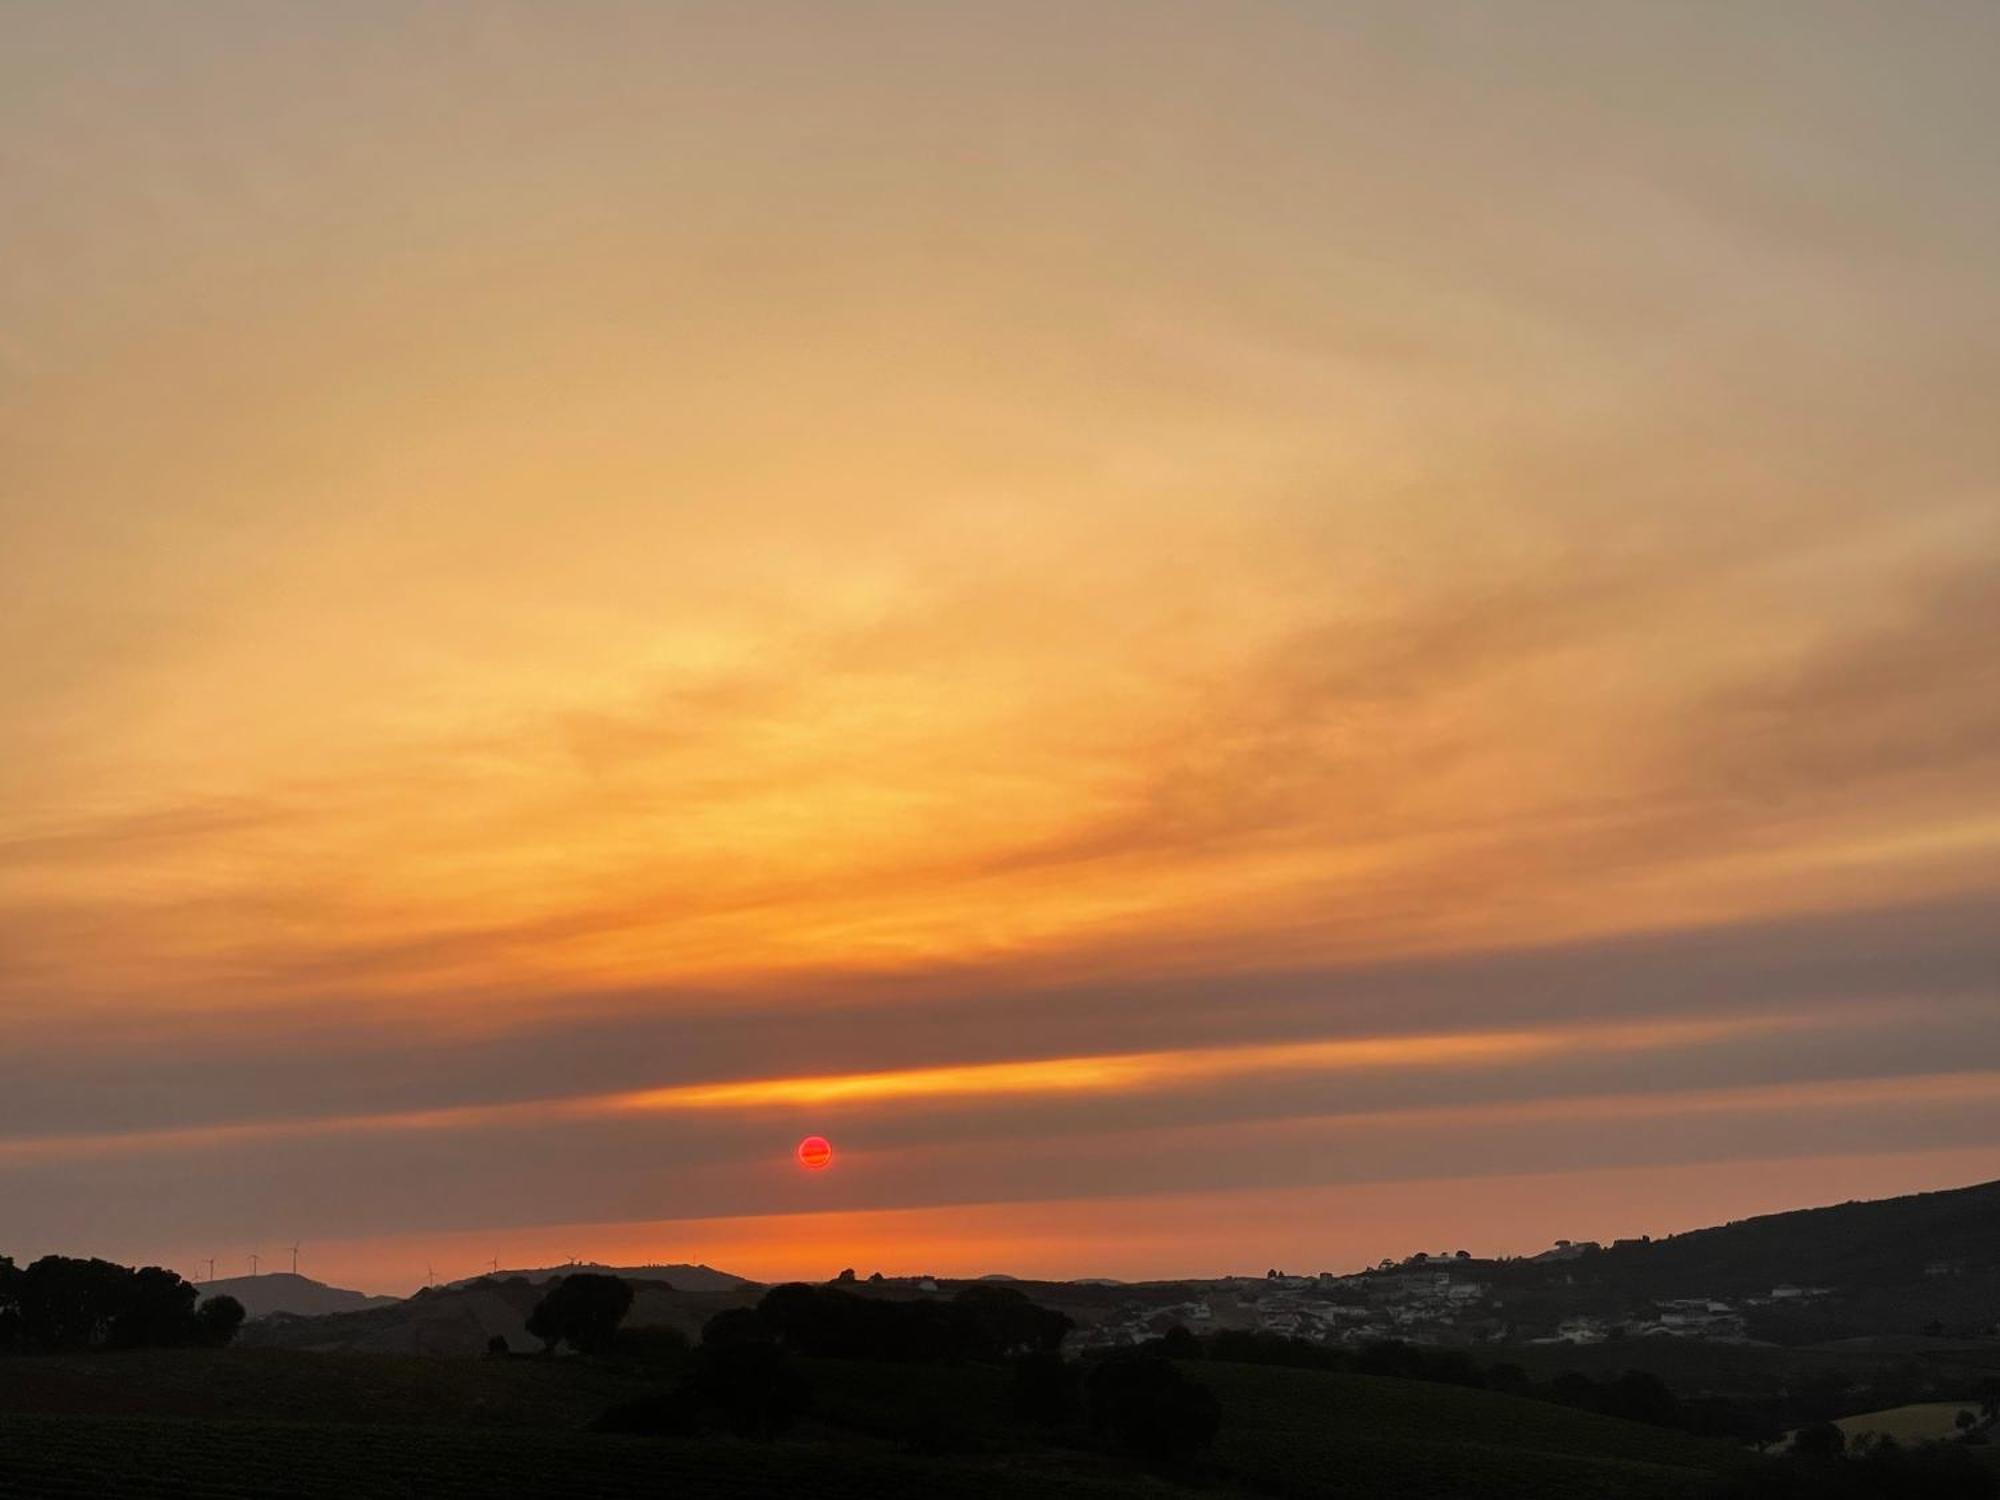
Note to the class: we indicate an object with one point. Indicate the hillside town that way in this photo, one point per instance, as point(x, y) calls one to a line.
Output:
point(1425, 1299)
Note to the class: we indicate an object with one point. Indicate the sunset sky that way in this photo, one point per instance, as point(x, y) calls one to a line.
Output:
point(1211, 635)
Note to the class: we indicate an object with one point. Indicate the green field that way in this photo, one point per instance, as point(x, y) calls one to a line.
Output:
point(1922, 1422)
point(1307, 1433)
point(274, 1423)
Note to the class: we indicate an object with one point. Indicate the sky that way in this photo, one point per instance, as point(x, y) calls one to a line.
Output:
point(1211, 636)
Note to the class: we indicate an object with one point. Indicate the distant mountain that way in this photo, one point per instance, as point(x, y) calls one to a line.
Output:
point(682, 1278)
point(462, 1318)
point(288, 1292)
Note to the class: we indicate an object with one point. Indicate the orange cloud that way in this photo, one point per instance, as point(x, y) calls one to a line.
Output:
point(1130, 1072)
point(1136, 1071)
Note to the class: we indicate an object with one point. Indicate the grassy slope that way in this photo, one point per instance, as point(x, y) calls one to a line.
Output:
point(110, 1458)
point(1694, 1366)
point(1307, 1433)
point(1922, 1422)
point(275, 1422)
point(287, 1385)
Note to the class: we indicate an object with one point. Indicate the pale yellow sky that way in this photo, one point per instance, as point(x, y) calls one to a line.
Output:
point(975, 535)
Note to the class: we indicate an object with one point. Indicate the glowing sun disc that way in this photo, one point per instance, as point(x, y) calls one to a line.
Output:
point(815, 1153)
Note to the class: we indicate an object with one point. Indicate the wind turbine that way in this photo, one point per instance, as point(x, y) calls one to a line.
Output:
point(211, 1268)
point(430, 1274)
point(254, 1258)
point(295, 1259)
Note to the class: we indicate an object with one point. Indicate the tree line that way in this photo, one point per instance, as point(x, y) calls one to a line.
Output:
point(62, 1302)
point(746, 1374)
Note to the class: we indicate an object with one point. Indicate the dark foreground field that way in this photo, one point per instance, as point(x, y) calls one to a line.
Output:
point(276, 1423)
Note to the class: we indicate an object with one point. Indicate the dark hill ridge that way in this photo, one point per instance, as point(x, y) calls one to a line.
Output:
point(1924, 1266)
point(460, 1319)
point(683, 1278)
point(1887, 1241)
point(290, 1293)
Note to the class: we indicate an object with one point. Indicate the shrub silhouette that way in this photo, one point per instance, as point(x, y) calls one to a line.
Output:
point(216, 1321)
point(650, 1346)
point(1150, 1409)
point(1044, 1390)
point(1819, 1440)
point(753, 1385)
point(735, 1325)
point(583, 1311)
point(156, 1308)
point(69, 1304)
point(989, 1323)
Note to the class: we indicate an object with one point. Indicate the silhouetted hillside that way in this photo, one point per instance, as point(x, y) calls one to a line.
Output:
point(462, 1319)
point(684, 1278)
point(1890, 1241)
point(287, 1292)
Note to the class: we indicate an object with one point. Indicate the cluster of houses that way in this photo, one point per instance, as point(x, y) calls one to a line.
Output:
point(1413, 1303)
point(1679, 1318)
point(1424, 1300)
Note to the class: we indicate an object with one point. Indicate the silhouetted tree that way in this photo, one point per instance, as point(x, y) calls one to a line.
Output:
point(1044, 1389)
point(656, 1345)
point(216, 1321)
point(1178, 1343)
point(754, 1385)
point(67, 1303)
point(1819, 1440)
point(980, 1322)
point(1150, 1408)
point(1639, 1396)
point(1391, 1357)
point(10, 1310)
point(60, 1302)
point(1005, 1322)
point(155, 1308)
point(1242, 1346)
point(582, 1310)
point(734, 1325)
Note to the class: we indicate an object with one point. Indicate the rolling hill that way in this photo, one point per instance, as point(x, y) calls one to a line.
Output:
point(289, 1293)
point(1887, 1241)
point(463, 1318)
point(213, 1423)
point(681, 1277)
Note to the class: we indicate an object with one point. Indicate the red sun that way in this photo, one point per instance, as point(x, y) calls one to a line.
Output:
point(815, 1153)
